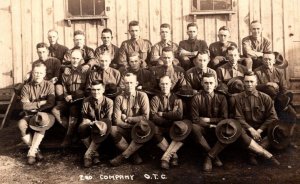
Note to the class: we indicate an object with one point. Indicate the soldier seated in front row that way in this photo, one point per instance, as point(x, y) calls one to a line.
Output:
point(37, 99)
point(96, 113)
point(129, 109)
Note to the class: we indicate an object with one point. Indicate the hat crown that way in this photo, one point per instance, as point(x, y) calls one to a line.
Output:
point(101, 127)
point(228, 130)
point(41, 119)
point(180, 128)
point(142, 129)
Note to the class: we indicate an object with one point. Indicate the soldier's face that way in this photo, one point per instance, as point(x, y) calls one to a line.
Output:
point(79, 41)
point(250, 83)
point(192, 32)
point(269, 60)
point(201, 61)
point(97, 91)
point(38, 73)
point(130, 84)
point(135, 62)
point(209, 84)
point(165, 33)
point(43, 53)
point(256, 29)
point(233, 56)
point(104, 61)
point(76, 58)
point(106, 38)
point(165, 85)
point(167, 58)
point(52, 37)
point(134, 32)
point(224, 35)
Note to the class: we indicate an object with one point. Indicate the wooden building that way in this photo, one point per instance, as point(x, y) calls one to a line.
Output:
point(24, 23)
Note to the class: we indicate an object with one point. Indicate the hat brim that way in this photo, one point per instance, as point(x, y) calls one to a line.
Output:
point(112, 95)
point(176, 137)
point(140, 140)
point(96, 137)
point(232, 139)
point(275, 143)
point(185, 95)
point(281, 64)
point(152, 92)
point(33, 126)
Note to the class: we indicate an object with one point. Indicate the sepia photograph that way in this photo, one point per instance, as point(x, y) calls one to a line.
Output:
point(150, 91)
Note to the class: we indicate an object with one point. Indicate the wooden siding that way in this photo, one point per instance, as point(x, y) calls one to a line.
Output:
point(25, 23)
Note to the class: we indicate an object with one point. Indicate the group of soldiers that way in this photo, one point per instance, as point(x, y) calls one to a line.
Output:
point(164, 93)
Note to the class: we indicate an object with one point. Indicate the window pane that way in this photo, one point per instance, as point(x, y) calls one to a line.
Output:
point(206, 4)
point(74, 7)
point(100, 7)
point(87, 7)
point(222, 4)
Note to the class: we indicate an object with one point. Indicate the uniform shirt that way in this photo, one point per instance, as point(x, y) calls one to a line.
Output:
point(52, 67)
point(112, 50)
point(58, 51)
point(170, 105)
point(76, 80)
point(156, 51)
point(264, 75)
point(193, 45)
point(255, 110)
point(176, 73)
point(87, 55)
point(32, 93)
point(227, 71)
point(135, 106)
point(251, 46)
point(194, 77)
point(143, 47)
point(219, 48)
point(94, 109)
point(144, 77)
point(108, 76)
point(207, 105)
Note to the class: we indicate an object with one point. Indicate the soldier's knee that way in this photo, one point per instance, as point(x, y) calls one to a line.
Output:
point(23, 126)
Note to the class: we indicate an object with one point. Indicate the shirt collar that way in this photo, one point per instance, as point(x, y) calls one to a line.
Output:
point(200, 71)
point(38, 84)
point(55, 46)
point(169, 43)
point(254, 93)
point(127, 95)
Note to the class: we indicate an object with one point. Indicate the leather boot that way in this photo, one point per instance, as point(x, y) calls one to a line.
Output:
point(122, 144)
point(71, 129)
point(36, 141)
point(174, 160)
point(172, 149)
point(89, 154)
point(202, 141)
point(118, 160)
point(215, 150)
point(39, 155)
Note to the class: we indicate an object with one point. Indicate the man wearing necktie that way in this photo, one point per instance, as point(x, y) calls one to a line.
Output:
point(135, 44)
point(130, 108)
point(255, 111)
point(188, 49)
point(254, 46)
point(96, 107)
point(156, 52)
point(194, 75)
point(232, 68)
point(55, 49)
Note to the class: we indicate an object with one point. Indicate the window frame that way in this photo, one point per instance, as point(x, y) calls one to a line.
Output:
point(213, 12)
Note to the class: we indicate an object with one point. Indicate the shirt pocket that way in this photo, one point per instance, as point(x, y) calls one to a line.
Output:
point(247, 112)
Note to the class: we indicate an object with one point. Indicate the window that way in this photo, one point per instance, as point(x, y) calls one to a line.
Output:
point(85, 8)
point(212, 6)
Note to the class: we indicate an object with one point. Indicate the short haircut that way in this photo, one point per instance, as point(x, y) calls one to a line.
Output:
point(224, 28)
point(254, 21)
point(167, 49)
point(208, 75)
point(165, 25)
point(133, 54)
point(165, 76)
point(202, 53)
point(107, 30)
point(39, 64)
point(250, 73)
point(104, 54)
point(133, 23)
point(53, 30)
point(42, 45)
point(230, 48)
point(77, 50)
point(97, 82)
point(131, 75)
point(191, 25)
point(79, 32)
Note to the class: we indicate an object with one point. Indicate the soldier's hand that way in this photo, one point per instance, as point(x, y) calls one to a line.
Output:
point(126, 125)
point(85, 67)
point(68, 98)
point(274, 84)
point(123, 117)
point(160, 114)
point(67, 71)
point(42, 102)
point(139, 87)
point(220, 58)
point(54, 80)
point(255, 134)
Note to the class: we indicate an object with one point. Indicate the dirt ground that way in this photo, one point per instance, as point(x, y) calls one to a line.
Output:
point(66, 167)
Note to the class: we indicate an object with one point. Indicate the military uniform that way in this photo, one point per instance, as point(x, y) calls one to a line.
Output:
point(156, 51)
point(112, 50)
point(227, 72)
point(108, 76)
point(58, 51)
point(194, 77)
